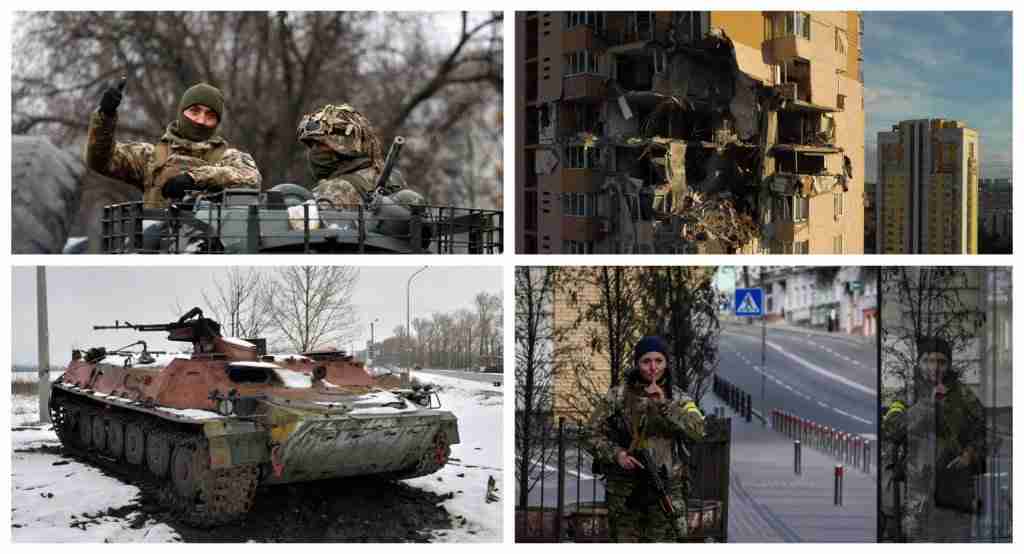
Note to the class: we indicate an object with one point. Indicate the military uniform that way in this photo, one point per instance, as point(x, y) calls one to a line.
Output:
point(920, 441)
point(634, 516)
point(346, 172)
point(209, 161)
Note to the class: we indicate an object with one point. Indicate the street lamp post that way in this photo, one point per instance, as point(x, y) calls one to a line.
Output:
point(369, 353)
point(408, 336)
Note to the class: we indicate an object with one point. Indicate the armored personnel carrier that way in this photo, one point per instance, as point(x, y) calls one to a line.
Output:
point(289, 219)
point(213, 426)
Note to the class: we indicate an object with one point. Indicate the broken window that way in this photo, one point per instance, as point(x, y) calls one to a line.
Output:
point(581, 61)
point(690, 26)
point(641, 26)
point(581, 157)
point(586, 118)
point(595, 20)
point(801, 163)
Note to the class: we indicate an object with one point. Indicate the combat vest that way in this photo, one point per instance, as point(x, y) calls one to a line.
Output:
point(165, 164)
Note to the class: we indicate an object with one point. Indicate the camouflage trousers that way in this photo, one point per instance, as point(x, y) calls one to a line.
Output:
point(644, 524)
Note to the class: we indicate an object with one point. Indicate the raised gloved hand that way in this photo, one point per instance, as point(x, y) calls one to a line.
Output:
point(176, 186)
point(112, 98)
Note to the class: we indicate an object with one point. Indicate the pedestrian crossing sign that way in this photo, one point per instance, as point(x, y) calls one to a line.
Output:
point(749, 302)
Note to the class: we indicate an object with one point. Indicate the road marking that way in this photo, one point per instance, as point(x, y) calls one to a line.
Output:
point(823, 371)
point(851, 416)
point(822, 404)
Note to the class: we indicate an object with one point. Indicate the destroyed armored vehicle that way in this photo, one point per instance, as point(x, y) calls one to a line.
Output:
point(213, 426)
point(290, 219)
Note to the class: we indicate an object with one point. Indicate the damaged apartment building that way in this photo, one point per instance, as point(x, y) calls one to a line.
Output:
point(689, 132)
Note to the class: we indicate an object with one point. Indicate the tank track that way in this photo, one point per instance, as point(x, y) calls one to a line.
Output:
point(175, 459)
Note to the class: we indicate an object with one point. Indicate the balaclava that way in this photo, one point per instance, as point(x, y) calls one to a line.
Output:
point(207, 95)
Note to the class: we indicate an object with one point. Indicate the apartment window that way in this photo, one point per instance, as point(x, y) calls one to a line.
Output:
point(793, 24)
point(578, 204)
point(577, 247)
point(581, 157)
point(596, 20)
point(782, 209)
point(581, 61)
point(841, 101)
point(839, 244)
point(801, 207)
point(840, 41)
point(802, 247)
point(839, 204)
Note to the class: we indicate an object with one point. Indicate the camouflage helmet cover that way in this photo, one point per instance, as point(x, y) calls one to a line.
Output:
point(344, 130)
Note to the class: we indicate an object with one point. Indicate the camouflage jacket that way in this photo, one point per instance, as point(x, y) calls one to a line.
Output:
point(925, 437)
point(649, 424)
point(149, 166)
point(347, 187)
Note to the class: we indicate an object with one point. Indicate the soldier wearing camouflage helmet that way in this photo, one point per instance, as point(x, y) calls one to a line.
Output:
point(346, 158)
point(191, 154)
point(645, 413)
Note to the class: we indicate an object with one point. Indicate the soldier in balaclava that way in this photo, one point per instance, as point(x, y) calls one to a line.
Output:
point(191, 154)
point(346, 158)
point(648, 413)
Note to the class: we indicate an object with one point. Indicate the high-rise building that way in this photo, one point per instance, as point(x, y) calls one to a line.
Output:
point(996, 209)
point(689, 132)
point(927, 195)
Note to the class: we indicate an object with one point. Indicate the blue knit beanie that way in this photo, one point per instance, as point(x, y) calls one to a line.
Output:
point(649, 344)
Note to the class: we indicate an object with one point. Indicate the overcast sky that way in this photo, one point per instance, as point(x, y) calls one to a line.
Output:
point(80, 297)
point(948, 65)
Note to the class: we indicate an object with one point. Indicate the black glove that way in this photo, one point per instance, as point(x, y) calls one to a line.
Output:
point(176, 186)
point(112, 98)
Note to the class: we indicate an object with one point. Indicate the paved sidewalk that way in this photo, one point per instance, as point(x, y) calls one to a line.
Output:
point(768, 503)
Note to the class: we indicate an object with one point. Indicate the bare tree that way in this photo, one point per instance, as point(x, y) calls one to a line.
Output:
point(680, 305)
point(924, 303)
point(311, 306)
point(538, 341)
point(238, 301)
point(406, 72)
point(488, 307)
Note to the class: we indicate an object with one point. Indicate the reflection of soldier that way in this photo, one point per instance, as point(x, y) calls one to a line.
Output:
point(190, 154)
point(345, 157)
point(936, 446)
point(645, 413)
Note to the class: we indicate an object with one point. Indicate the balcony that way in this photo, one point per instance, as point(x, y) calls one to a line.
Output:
point(780, 49)
point(584, 87)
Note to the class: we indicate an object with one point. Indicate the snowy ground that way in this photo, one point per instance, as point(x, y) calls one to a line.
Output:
point(473, 460)
point(58, 499)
